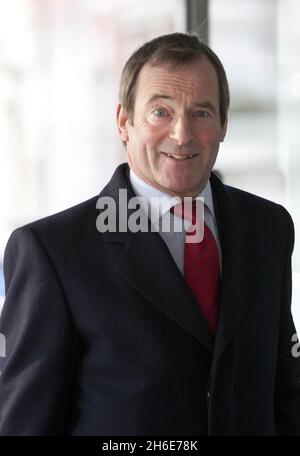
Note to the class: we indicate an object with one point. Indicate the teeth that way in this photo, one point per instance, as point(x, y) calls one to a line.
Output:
point(180, 157)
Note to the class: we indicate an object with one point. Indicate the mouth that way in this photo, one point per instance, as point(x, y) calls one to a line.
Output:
point(179, 157)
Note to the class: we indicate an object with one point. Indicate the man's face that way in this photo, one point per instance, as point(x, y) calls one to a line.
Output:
point(173, 140)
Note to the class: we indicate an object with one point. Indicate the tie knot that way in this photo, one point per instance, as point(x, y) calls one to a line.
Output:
point(193, 211)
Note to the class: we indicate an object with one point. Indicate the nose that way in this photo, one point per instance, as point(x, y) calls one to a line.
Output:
point(182, 131)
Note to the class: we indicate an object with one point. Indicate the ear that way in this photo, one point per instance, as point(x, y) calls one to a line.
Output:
point(223, 130)
point(122, 123)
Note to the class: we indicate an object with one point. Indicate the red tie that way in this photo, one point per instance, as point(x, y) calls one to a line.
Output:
point(202, 269)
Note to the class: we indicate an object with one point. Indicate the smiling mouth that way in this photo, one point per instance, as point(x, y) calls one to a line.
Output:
point(180, 157)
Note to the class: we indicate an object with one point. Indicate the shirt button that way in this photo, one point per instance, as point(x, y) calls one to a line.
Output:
point(208, 395)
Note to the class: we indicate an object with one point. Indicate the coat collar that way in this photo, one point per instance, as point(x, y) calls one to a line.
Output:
point(146, 264)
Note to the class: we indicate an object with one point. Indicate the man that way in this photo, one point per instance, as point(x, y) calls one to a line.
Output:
point(138, 332)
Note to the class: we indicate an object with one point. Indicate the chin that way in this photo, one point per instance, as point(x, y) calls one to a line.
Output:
point(180, 190)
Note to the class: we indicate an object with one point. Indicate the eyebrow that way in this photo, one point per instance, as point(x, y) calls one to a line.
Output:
point(203, 104)
point(206, 104)
point(157, 96)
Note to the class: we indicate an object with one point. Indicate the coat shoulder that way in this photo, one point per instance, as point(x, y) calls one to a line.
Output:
point(273, 218)
point(251, 202)
point(68, 216)
point(72, 226)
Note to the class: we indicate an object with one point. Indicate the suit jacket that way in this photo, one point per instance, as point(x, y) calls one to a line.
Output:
point(105, 338)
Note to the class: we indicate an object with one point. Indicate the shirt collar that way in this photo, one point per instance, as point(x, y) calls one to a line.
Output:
point(161, 202)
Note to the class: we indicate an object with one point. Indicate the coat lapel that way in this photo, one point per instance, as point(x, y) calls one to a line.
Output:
point(239, 263)
point(147, 266)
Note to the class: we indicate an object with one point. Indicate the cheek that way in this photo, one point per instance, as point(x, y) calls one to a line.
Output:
point(148, 140)
point(208, 137)
point(142, 147)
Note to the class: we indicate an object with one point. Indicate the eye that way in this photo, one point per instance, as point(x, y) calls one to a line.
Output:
point(202, 114)
point(160, 113)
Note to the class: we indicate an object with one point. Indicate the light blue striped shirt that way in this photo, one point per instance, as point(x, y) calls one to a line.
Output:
point(174, 239)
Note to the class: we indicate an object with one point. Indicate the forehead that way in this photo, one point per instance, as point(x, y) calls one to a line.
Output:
point(193, 80)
